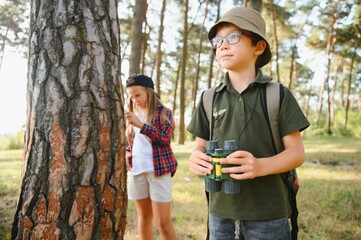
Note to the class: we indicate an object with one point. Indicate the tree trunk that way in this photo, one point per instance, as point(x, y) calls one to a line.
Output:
point(210, 75)
point(349, 90)
point(294, 50)
point(200, 49)
point(292, 64)
point(144, 47)
point(183, 75)
point(274, 25)
point(327, 83)
point(176, 89)
point(332, 41)
point(306, 105)
point(2, 48)
point(140, 11)
point(329, 50)
point(338, 63)
point(212, 57)
point(74, 174)
point(255, 4)
point(343, 83)
point(174, 108)
point(159, 47)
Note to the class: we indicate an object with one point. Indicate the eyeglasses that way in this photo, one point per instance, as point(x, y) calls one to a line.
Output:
point(232, 38)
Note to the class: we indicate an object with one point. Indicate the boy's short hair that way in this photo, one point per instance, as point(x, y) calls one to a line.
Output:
point(248, 19)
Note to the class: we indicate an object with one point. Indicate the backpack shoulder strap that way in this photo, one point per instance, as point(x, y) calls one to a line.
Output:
point(274, 96)
point(208, 99)
point(272, 101)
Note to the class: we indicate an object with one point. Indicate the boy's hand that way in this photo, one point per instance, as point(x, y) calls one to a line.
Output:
point(200, 163)
point(248, 166)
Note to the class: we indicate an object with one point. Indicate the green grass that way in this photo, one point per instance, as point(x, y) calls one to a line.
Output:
point(328, 201)
point(10, 176)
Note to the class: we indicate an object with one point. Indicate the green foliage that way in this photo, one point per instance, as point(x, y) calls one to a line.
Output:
point(338, 128)
point(14, 141)
point(353, 124)
point(12, 18)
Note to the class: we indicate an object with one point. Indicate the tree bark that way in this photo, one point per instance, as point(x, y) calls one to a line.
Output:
point(327, 83)
point(329, 51)
point(140, 11)
point(349, 89)
point(3, 44)
point(144, 47)
point(159, 47)
point(212, 57)
point(255, 4)
point(74, 174)
point(338, 64)
point(200, 49)
point(176, 89)
point(294, 50)
point(343, 83)
point(183, 74)
point(275, 37)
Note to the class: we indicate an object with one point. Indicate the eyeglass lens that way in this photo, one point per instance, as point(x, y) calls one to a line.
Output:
point(231, 39)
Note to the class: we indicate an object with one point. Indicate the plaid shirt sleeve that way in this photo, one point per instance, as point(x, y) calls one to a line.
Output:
point(160, 134)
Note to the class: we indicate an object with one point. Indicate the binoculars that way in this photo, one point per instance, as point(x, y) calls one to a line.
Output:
point(217, 179)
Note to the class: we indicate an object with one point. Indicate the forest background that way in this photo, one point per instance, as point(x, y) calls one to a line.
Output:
point(315, 45)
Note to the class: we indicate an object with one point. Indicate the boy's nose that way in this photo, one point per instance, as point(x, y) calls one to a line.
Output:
point(224, 44)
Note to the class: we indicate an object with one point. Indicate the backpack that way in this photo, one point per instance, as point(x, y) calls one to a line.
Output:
point(272, 96)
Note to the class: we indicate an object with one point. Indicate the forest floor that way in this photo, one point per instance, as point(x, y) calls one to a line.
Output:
point(328, 201)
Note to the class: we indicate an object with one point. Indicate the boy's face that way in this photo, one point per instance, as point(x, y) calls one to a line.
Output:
point(238, 56)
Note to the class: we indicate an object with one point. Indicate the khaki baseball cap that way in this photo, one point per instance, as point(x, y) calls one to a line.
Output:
point(246, 19)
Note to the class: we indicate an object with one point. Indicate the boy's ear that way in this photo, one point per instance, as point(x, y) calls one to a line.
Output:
point(260, 47)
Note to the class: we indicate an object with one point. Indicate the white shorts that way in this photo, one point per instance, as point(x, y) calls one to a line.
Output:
point(146, 185)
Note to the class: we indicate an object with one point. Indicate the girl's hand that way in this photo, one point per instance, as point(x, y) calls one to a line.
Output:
point(128, 155)
point(246, 165)
point(133, 119)
point(200, 163)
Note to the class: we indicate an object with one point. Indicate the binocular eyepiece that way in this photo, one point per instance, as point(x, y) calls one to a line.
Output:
point(215, 180)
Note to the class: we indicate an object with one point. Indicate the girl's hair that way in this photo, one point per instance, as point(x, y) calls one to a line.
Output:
point(153, 104)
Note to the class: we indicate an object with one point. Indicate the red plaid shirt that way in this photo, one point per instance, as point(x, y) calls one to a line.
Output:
point(160, 135)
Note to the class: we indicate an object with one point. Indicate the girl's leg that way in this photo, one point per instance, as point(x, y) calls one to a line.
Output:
point(145, 216)
point(163, 220)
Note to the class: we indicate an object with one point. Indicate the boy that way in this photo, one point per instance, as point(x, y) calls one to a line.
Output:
point(260, 210)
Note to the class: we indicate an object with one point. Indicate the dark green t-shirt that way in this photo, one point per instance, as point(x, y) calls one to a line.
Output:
point(240, 117)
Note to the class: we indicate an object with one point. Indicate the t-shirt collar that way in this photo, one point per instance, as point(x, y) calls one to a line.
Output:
point(260, 78)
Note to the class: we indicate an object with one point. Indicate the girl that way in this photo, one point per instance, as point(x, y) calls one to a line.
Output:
point(150, 159)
